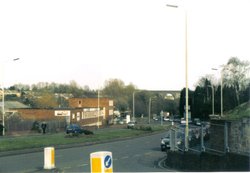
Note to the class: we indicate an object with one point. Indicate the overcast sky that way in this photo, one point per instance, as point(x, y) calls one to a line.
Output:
point(137, 41)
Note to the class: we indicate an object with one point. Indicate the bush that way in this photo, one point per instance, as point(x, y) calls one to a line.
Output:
point(143, 128)
point(1, 129)
point(88, 132)
point(36, 127)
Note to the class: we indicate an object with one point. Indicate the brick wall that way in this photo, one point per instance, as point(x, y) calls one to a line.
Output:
point(77, 115)
point(38, 114)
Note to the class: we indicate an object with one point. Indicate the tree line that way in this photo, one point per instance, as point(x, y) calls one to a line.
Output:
point(236, 88)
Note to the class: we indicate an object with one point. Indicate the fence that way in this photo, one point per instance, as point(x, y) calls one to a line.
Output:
point(20, 126)
point(207, 137)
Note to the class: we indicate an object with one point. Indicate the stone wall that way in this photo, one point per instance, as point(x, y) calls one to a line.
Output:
point(206, 162)
point(239, 136)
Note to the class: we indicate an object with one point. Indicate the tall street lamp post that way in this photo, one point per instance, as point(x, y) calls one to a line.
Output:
point(212, 98)
point(149, 108)
point(3, 108)
point(221, 92)
point(98, 105)
point(186, 78)
point(134, 104)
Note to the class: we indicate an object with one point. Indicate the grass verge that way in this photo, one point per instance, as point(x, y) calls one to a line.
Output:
point(38, 141)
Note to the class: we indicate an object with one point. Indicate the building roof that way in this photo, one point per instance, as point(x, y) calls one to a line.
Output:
point(13, 105)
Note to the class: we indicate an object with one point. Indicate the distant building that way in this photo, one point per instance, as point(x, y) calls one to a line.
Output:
point(105, 104)
point(10, 107)
point(9, 93)
point(83, 111)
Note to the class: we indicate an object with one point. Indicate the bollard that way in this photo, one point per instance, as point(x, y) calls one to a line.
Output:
point(101, 162)
point(49, 158)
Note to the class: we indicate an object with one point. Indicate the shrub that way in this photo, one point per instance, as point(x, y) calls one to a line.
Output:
point(143, 128)
point(88, 132)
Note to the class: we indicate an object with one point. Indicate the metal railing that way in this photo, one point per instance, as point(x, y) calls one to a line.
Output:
point(207, 137)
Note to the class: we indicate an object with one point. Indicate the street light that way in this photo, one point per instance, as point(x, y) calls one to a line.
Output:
point(98, 105)
point(212, 98)
point(3, 110)
point(186, 76)
point(221, 93)
point(149, 108)
point(134, 104)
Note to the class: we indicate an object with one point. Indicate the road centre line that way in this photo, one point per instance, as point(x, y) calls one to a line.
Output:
point(125, 157)
point(82, 165)
point(67, 167)
point(148, 153)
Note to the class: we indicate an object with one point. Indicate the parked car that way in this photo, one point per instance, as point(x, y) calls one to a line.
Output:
point(131, 124)
point(166, 119)
point(155, 118)
point(75, 129)
point(197, 121)
point(183, 121)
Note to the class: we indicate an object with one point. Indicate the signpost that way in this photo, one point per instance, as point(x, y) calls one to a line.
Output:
point(101, 162)
point(49, 158)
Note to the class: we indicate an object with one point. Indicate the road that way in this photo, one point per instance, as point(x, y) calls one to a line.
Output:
point(140, 154)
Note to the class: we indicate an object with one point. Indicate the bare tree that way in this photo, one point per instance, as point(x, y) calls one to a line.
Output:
point(235, 75)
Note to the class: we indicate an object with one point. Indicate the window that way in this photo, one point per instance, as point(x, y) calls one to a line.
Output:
point(79, 103)
point(78, 116)
point(111, 103)
point(73, 116)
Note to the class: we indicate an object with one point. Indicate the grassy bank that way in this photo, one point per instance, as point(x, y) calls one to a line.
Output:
point(38, 141)
point(241, 111)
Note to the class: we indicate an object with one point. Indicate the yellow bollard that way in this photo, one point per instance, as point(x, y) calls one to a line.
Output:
point(101, 162)
point(49, 158)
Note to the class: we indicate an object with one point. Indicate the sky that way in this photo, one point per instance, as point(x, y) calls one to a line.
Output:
point(137, 41)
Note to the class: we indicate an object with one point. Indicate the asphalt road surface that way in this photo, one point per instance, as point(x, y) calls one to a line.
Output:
point(140, 154)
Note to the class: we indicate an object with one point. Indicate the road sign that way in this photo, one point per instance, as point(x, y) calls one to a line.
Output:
point(107, 161)
point(101, 162)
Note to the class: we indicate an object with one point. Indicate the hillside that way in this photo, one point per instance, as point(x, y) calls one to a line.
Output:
point(238, 112)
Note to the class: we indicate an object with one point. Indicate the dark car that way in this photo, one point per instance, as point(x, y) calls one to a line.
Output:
point(74, 129)
point(165, 143)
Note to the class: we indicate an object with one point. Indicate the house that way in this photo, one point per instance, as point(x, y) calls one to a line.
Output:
point(104, 104)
